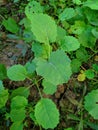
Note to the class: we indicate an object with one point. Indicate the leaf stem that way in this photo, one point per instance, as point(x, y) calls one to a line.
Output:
point(36, 83)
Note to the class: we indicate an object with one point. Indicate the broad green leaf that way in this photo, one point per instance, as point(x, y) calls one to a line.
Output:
point(92, 16)
point(67, 14)
point(49, 88)
point(46, 113)
point(3, 72)
point(10, 25)
point(17, 126)
point(89, 74)
point(41, 50)
point(21, 91)
point(43, 27)
point(82, 54)
point(19, 102)
point(56, 70)
point(17, 73)
point(86, 38)
point(91, 4)
point(69, 43)
point(91, 103)
point(75, 64)
point(3, 97)
point(33, 7)
point(17, 115)
point(61, 33)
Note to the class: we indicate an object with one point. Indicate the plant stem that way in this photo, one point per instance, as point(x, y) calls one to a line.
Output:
point(36, 83)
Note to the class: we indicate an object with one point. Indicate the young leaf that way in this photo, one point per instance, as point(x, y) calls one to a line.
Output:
point(67, 14)
point(70, 43)
point(46, 114)
point(10, 25)
point(3, 72)
point(56, 70)
point(49, 88)
point(81, 77)
point(17, 73)
point(18, 102)
point(91, 103)
point(21, 91)
point(45, 29)
point(17, 126)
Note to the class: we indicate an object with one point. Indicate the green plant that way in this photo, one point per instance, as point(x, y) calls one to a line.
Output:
point(91, 103)
point(60, 47)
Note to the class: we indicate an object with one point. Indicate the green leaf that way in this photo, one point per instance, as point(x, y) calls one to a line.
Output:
point(33, 7)
point(41, 50)
point(67, 14)
point(1, 86)
point(30, 67)
point(91, 103)
point(75, 65)
point(92, 16)
point(17, 126)
point(3, 72)
point(3, 97)
point(49, 88)
point(86, 38)
point(82, 54)
point(17, 73)
point(91, 4)
point(89, 74)
point(17, 115)
point(61, 33)
point(95, 32)
point(33, 117)
point(59, 67)
point(46, 114)
point(19, 102)
point(69, 128)
point(45, 29)
point(70, 43)
point(77, 2)
point(95, 67)
point(21, 91)
point(78, 27)
point(10, 25)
